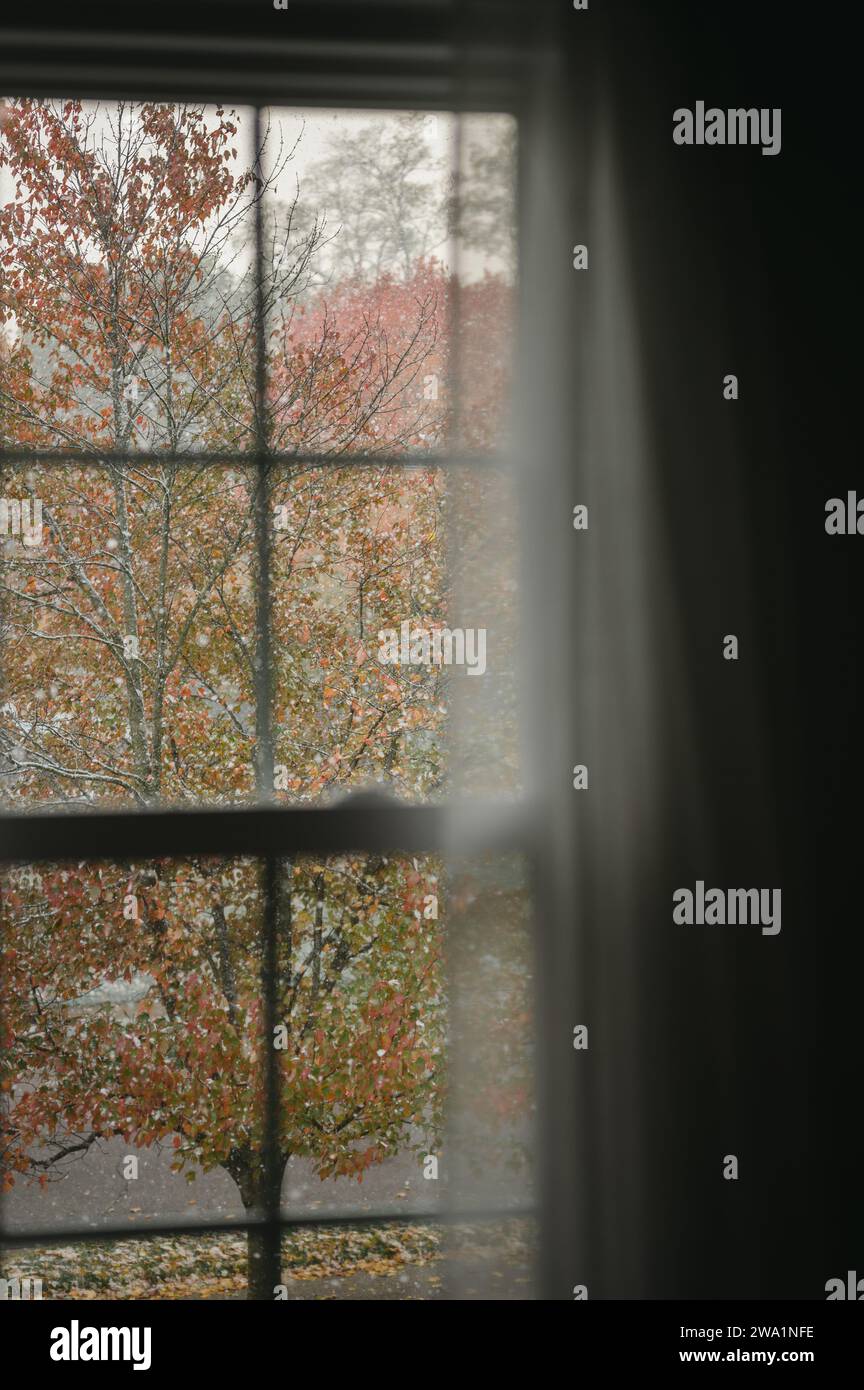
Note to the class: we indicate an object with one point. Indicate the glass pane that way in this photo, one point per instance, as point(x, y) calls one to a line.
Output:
point(362, 1003)
point(484, 757)
point(491, 1033)
point(132, 1042)
point(128, 637)
point(132, 1082)
point(484, 265)
point(360, 347)
point(397, 336)
point(358, 566)
point(128, 299)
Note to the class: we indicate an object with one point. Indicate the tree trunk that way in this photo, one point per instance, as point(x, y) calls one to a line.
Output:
point(263, 1263)
point(263, 1246)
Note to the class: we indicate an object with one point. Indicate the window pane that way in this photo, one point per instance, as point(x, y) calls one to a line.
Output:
point(398, 340)
point(358, 566)
point(491, 1032)
point(362, 1001)
point(127, 302)
point(132, 1042)
point(128, 637)
point(133, 1085)
point(360, 353)
point(483, 748)
point(484, 252)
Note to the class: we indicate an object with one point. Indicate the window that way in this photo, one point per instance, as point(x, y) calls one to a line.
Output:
point(260, 556)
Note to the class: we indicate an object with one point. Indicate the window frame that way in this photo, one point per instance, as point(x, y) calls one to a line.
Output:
point(424, 57)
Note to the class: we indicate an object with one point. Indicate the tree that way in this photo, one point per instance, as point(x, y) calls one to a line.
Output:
point(129, 307)
point(483, 206)
point(380, 192)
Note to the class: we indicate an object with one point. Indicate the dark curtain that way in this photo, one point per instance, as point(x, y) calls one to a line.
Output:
point(706, 518)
